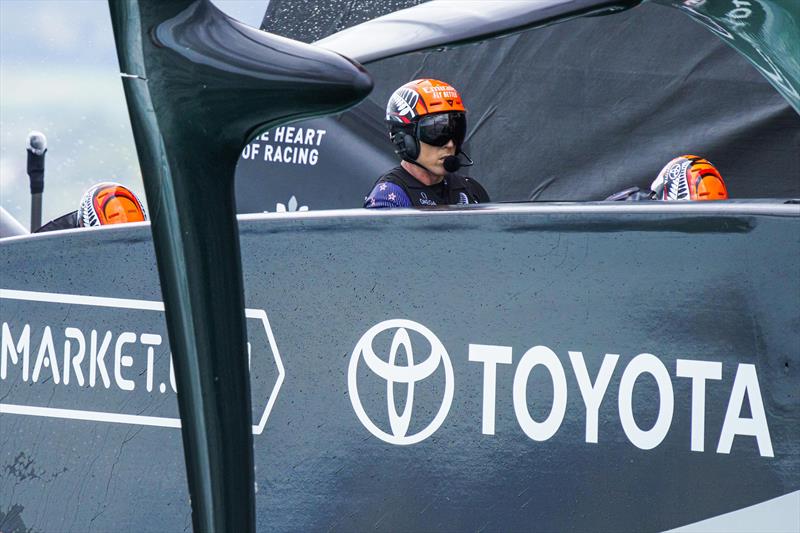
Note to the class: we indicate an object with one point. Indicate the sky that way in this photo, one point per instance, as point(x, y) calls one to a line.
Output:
point(59, 75)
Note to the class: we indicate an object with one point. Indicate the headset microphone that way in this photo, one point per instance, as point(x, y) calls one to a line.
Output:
point(452, 163)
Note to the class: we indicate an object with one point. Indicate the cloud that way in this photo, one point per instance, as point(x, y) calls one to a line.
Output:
point(83, 113)
point(59, 74)
point(51, 33)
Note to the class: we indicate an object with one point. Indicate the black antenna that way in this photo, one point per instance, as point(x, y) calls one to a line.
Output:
point(37, 148)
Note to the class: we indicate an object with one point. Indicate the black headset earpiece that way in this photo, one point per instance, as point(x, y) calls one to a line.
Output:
point(411, 146)
point(407, 147)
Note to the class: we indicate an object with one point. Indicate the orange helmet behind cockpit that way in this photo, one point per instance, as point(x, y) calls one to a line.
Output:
point(689, 177)
point(110, 203)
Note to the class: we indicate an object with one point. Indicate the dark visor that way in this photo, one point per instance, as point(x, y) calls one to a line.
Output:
point(437, 130)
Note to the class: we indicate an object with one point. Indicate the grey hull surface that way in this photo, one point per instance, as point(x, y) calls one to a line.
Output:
point(488, 322)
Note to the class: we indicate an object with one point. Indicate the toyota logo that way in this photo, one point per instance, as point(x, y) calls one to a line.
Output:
point(408, 374)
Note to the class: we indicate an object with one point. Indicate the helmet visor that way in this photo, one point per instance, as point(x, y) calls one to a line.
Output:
point(438, 130)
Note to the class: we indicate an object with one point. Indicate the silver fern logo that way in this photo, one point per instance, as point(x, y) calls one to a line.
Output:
point(675, 182)
point(404, 100)
point(87, 214)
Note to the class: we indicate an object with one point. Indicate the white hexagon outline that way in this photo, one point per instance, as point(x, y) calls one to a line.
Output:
point(261, 314)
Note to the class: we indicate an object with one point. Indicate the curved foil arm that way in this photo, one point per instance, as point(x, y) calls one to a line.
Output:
point(198, 85)
point(446, 23)
point(766, 32)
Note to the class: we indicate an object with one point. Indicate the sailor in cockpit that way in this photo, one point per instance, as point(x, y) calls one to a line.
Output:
point(427, 125)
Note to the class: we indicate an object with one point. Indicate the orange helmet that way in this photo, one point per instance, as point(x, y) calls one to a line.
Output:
point(109, 203)
point(689, 177)
point(422, 97)
point(425, 110)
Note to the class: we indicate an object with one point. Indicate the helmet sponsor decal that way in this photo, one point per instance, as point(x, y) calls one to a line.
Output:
point(675, 184)
point(402, 103)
